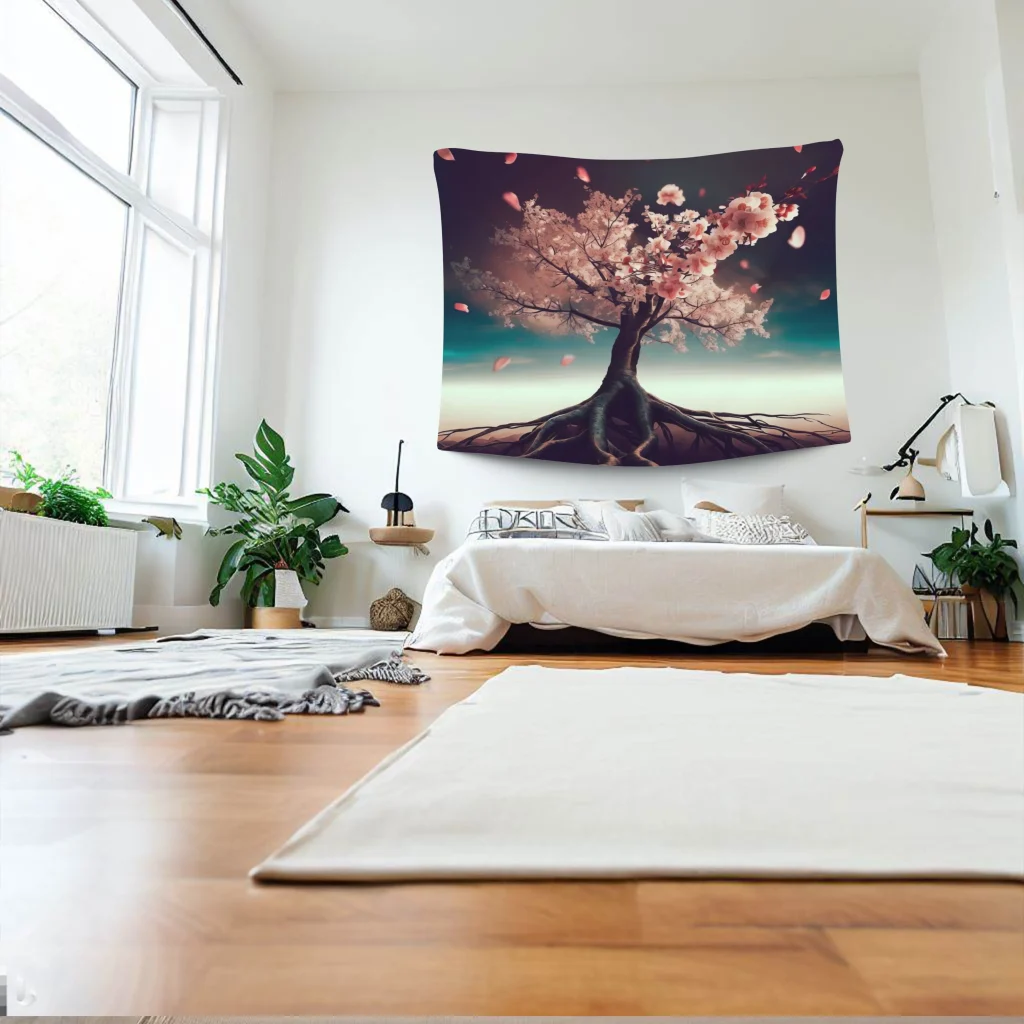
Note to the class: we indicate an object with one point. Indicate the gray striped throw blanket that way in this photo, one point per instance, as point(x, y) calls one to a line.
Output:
point(233, 674)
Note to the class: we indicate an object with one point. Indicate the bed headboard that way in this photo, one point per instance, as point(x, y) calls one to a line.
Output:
point(629, 504)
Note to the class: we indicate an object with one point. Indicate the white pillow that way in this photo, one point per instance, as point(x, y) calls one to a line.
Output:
point(743, 499)
point(617, 523)
point(734, 529)
point(621, 524)
point(677, 528)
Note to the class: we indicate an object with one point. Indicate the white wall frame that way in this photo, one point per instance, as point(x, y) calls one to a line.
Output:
point(197, 236)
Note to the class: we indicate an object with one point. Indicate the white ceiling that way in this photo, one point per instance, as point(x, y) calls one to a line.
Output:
point(468, 44)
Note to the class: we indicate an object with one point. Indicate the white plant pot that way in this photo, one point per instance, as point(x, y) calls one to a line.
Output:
point(64, 576)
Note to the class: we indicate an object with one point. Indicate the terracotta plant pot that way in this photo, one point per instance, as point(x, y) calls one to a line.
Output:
point(988, 612)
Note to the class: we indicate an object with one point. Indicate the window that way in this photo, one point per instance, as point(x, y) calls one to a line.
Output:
point(108, 257)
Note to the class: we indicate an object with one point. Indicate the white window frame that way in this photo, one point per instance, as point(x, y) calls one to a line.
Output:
point(201, 239)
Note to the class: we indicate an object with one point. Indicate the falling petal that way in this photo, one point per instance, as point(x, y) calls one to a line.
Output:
point(512, 199)
point(445, 154)
point(501, 362)
point(702, 192)
point(799, 149)
point(825, 294)
point(745, 264)
point(581, 173)
point(462, 307)
point(510, 158)
point(798, 237)
point(566, 360)
point(810, 170)
point(755, 288)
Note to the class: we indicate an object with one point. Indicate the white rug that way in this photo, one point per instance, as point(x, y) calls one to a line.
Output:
point(641, 773)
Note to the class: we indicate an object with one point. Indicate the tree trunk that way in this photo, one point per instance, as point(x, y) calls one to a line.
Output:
point(625, 352)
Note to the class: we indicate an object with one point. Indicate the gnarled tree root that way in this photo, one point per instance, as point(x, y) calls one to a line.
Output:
point(622, 424)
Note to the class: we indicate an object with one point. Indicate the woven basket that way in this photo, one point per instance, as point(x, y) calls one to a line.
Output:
point(392, 612)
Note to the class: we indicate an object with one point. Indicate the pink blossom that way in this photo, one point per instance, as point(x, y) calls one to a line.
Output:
point(786, 211)
point(799, 149)
point(659, 244)
point(700, 263)
point(671, 194)
point(719, 244)
point(501, 362)
point(581, 173)
point(755, 288)
point(462, 307)
point(752, 215)
point(513, 200)
point(698, 227)
point(445, 154)
point(798, 237)
point(825, 294)
point(566, 360)
point(671, 287)
point(570, 292)
point(510, 158)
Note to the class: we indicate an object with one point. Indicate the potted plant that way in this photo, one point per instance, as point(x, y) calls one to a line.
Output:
point(987, 574)
point(277, 533)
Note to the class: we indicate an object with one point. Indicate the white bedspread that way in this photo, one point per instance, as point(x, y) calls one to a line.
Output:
point(697, 593)
point(632, 773)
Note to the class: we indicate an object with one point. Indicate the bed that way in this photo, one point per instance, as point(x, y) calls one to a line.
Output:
point(696, 593)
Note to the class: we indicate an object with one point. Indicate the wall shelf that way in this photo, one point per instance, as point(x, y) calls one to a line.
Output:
point(401, 536)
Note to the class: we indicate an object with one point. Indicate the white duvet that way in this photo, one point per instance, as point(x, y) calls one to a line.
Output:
point(696, 593)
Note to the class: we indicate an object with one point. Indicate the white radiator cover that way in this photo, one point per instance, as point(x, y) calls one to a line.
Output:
point(56, 575)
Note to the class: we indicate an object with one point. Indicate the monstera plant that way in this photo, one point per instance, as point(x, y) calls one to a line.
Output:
point(275, 530)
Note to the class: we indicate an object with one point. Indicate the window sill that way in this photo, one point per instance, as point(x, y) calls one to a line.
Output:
point(131, 513)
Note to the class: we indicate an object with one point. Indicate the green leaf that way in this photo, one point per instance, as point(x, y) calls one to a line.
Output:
point(270, 441)
point(258, 472)
point(331, 547)
point(229, 564)
point(265, 590)
point(318, 512)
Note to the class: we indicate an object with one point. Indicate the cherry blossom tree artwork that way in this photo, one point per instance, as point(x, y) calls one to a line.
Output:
point(557, 266)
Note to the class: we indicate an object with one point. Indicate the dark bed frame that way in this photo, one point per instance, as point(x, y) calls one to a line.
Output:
point(522, 638)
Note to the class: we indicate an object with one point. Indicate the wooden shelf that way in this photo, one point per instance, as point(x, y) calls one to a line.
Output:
point(400, 536)
point(919, 511)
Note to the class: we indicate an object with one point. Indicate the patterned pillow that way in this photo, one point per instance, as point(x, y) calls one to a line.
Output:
point(764, 529)
point(560, 522)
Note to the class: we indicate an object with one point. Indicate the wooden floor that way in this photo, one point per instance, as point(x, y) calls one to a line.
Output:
point(125, 853)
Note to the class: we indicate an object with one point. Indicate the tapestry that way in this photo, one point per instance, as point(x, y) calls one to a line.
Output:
point(640, 312)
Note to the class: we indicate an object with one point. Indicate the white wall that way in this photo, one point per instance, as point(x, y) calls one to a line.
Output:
point(980, 237)
point(354, 298)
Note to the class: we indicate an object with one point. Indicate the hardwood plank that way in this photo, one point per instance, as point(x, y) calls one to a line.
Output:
point(725, 971)
point(125, 855)
point(939, 972)
point(667, 907)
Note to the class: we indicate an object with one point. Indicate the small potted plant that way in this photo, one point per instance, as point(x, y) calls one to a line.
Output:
point(987, 572)
point(277, 534)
